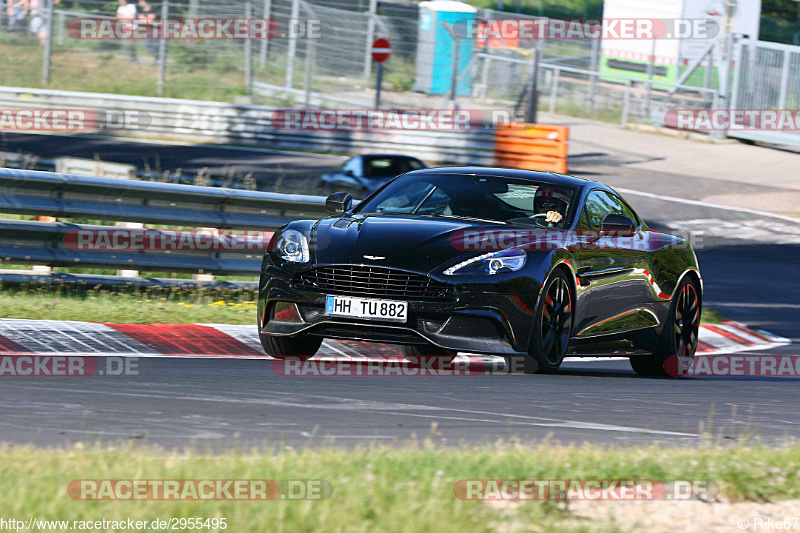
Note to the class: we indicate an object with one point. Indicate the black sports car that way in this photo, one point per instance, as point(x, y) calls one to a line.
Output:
point(526, 265)
point(363, 174)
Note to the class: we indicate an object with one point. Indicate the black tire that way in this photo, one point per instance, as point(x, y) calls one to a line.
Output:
point(282, 347)
point(416, 353)
point(679, 339)
point(552, 326)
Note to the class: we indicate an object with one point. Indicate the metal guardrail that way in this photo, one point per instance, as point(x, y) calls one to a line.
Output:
point(93, 281)
point(219, 122)
point(62, 195)
point(44, 243)
point(28, 192)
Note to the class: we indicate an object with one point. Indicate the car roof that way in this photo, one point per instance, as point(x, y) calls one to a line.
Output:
point(533, 175)
point(379, 156)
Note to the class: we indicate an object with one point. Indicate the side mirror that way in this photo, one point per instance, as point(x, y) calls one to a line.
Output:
point(349, 173)
point(338, 202)
point(618, 225)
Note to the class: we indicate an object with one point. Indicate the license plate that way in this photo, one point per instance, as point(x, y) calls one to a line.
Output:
point(347, 306)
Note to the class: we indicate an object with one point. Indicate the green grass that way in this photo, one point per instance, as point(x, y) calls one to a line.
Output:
point(177, 306)
point(379, 488)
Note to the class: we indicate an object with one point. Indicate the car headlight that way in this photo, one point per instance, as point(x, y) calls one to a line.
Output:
point(491, 263)
point(293, 246)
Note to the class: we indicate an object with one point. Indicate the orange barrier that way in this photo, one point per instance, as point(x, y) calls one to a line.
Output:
point(532, 147)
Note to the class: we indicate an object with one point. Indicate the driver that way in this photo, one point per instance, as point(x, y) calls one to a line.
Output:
point(552, 202)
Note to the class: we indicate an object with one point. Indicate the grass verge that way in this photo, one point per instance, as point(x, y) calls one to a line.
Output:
point(176, 306)
point(381, 488)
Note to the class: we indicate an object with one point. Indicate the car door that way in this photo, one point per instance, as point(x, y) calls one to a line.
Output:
point(612, 283)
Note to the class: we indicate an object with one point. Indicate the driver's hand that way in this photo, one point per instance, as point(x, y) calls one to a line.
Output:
point(554, 216)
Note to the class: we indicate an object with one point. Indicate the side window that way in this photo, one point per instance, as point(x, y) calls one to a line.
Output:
point(600, 203)
point(583, 222)
point(354, 165)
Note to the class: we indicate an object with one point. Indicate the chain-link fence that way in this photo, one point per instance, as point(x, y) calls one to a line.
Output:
point(320, 56)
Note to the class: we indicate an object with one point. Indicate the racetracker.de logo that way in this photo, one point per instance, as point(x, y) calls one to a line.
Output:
point(377, 119)
point(174, 29)
point(72, 120)
point(66, 366)
point(582, 489)
point(167, 240)
point(733, 119)
point(509, 31)
point(425, 366)
point(733, 365)
point(488, 240)
point(199, 489)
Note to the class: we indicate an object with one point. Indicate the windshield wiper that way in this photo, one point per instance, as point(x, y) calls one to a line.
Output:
point(462, 217)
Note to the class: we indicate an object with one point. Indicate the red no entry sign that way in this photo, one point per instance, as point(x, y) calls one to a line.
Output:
point(381, 50)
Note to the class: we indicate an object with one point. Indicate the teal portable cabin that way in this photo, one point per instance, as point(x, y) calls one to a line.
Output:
point(435, 46)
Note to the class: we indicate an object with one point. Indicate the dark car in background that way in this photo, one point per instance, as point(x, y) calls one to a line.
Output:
point(363, 174)
point(516, 263)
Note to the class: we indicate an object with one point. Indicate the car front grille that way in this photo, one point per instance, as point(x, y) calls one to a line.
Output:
point(376, 282)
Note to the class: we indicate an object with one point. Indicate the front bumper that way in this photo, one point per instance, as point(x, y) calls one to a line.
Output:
point(479, 322)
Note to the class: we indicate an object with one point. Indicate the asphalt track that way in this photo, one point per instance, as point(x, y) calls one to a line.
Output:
point(750, 263)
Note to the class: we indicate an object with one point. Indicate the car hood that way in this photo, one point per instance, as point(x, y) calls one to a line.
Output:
point(412, 243)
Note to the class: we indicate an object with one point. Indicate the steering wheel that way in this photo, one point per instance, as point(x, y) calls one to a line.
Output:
point(544, 215)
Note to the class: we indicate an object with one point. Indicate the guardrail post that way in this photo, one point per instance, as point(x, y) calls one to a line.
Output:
point(162, 49)
point(129, 273)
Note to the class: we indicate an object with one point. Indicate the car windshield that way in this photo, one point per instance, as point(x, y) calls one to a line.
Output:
point(491, 198)
point(389, 167)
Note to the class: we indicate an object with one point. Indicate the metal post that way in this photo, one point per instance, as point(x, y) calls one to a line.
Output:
point(311, 54)
point(194, 12)
point(162, 49)
point(784, 79)
point(707, 77)
point(373, 12)
point(378, 82)
point(62, 28)
point(725, 82)
point(626, 101)
point(531, 112)
point(554, 91)
point(650, 71)
point(48, 44)
point(737, 71)
point(454, 68)
point(248, 52)
point(262, 60)
point(454, 73)
point(485, 76)
point(594, 66)
point(292, 44)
